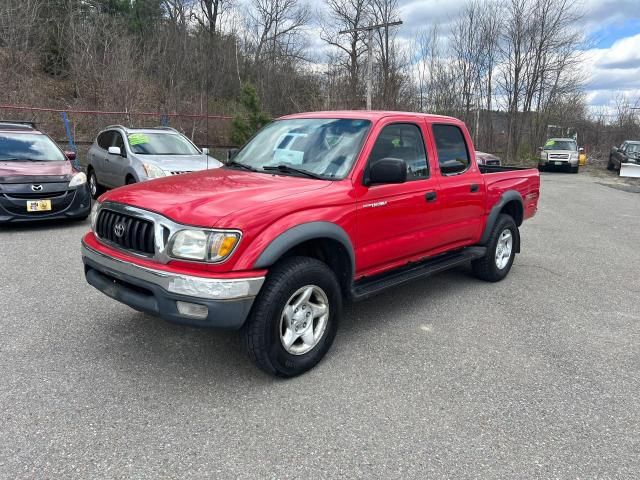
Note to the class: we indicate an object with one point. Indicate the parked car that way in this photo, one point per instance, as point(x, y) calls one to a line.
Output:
point(628, 152)
point(37, 179)
point(274, 242)
point(122, 156)
point(487, 158)
point(560, 152)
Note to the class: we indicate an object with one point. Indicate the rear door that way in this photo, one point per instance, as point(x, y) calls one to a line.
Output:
point(461, 185)
point(394, 220)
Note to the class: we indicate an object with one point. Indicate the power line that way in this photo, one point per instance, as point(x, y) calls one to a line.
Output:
point(370, 30)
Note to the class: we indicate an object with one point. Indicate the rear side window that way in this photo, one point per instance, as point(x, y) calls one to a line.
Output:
point(105, 139)
point(403, 141)
point(453, 155)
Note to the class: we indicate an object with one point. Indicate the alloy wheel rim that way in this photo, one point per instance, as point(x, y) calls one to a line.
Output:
point(504, 249)
point(92, 184)
point(304, 320)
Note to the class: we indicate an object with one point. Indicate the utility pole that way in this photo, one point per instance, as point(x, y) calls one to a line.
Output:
point(369, 29)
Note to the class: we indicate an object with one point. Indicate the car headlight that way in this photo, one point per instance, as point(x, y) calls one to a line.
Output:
point(574, 156)
point(203, 245)
point(94, 215)
point(543, 155)
point(153, 171)
point(78, 179)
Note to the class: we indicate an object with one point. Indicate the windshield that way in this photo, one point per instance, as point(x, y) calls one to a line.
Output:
point(24, 147)
point(633, 148)
point(161, 143)
point(560, 145)
point(325, 147)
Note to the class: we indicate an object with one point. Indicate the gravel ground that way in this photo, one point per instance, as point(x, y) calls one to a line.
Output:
point(534, 377)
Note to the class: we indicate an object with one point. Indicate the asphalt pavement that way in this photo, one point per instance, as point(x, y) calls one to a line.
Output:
point(534, 377)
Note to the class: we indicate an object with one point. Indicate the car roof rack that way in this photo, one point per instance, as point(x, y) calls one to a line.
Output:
point(17, 125)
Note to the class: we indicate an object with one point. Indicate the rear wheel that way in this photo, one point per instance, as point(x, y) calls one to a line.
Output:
point(295, 317)
point(94, 187)
point(501, 251)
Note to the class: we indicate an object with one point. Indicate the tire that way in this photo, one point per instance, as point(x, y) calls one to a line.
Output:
point(130, 181)
point(267, 328)
point(487, 268)
point(95, 189)
point(541, 168)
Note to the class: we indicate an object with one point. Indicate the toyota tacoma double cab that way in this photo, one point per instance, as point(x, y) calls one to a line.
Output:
point(315, 210)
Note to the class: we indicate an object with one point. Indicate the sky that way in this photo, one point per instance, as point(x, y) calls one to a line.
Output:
point(611, 53)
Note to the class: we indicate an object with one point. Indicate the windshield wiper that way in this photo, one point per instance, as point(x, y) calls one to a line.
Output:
point(289, 169)
point(242, 165)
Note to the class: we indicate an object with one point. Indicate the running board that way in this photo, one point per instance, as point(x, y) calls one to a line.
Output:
point(368, 287)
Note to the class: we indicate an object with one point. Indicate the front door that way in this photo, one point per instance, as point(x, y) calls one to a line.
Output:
point(393, 220)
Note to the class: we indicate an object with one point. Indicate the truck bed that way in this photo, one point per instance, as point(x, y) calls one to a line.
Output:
point(500, 168)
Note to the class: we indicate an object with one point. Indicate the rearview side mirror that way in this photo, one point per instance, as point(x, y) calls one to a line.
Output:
point(387, 170)
point(205, 151)
point(70, 154)
point(232, 152)
point(115, 151)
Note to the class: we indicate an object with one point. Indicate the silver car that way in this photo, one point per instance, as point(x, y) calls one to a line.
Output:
point(121, 156)
point(559, 152)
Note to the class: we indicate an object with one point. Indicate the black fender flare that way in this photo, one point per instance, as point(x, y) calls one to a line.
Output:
point(506, 197)
point(302, 233)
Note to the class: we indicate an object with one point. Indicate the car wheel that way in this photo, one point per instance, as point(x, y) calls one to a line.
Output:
point(294, 319)
point(130, 181)
point(609, 164)
point(94, 187)
point(541, 168)
point(501, 251)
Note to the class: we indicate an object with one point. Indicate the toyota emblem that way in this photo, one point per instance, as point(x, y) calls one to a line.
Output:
point(36, 188)
point(119, 229)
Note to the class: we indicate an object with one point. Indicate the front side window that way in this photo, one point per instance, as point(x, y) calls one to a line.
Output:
point(160, 143)
point(325, 147)
point(25, 147)
point(403, 141)
point(453, 155)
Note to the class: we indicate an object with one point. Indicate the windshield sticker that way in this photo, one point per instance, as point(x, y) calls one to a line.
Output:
point(550, 143)
point(137, 139)
point(292, 157)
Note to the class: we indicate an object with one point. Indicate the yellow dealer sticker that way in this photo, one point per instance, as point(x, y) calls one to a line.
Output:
point(38, 205)
point(138, 138)
point(550, 143)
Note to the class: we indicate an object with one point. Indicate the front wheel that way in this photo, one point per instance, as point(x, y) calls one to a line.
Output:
point(295, 317)
point(501, 251)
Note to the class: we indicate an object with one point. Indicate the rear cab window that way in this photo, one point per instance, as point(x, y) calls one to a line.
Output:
point(452, 150)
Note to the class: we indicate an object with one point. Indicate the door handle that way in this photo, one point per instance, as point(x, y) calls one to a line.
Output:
point(474, 187)
point(430, 196)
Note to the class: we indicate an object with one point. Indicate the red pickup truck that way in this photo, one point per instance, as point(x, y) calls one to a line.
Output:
point(317, 209)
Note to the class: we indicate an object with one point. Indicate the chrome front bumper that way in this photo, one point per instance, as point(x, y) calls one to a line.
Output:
point(161, 293)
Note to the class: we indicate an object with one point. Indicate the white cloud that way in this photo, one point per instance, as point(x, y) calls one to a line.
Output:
point(613, 71)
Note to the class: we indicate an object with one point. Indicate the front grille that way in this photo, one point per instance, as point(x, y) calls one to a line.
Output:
point(133, 233)
point(35, 195)
point(558, 156)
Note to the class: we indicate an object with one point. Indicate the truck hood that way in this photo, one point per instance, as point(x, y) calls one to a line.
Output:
point(203, 198)
point(34, 169)
point(181, 163)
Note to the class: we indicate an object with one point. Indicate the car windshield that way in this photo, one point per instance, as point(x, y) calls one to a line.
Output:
point(633, 148)
point(29, 147)
point(161, 143)
point(560, 145)
point(322, 146)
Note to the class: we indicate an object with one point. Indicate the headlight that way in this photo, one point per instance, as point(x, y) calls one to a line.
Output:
point(78, 179)
point(574, 156)
point(94, 215)
point(203, 245)
point(543, 155)
point(153, 171)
